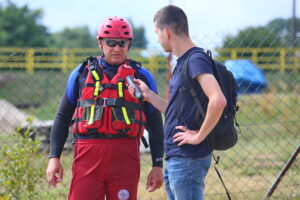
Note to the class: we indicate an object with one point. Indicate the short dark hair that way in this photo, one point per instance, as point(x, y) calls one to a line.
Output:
point(174, 18)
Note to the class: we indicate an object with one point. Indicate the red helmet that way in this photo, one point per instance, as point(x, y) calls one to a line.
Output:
point(115, 27)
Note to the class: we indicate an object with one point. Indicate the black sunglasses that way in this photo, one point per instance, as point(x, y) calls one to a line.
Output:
point(113, 43)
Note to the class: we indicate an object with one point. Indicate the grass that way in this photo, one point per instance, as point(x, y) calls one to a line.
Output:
point(269, 122)
point(248, 169)
point(37, 94)
point(252, 185)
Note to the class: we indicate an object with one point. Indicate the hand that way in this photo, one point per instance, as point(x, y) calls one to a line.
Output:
point(155, 179)
point(143, 87)
point(186, 136)
point(54, 171)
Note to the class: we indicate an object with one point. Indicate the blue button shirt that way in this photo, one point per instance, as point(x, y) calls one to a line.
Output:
point(199, 63)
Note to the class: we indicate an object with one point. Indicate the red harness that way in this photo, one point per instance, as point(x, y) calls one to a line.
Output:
point(106, 107)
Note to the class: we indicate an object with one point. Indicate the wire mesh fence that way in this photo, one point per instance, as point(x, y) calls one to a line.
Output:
point(32, 82)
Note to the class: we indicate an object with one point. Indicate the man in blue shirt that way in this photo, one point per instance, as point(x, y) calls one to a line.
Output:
point(188, 154)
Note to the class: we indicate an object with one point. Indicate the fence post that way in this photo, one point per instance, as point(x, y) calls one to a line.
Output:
point(169, 75)
point(72, 59)
point(153, 64)
point(254, 55)
point(29, 60)
point(296, 55)
point(282, 59)
point(64, 60)
point(283, 172)
point(233, 54)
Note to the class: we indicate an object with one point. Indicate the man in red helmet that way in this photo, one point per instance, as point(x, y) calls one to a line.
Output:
point(107, 123)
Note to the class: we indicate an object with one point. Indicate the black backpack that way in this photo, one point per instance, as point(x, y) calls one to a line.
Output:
point(224, 135)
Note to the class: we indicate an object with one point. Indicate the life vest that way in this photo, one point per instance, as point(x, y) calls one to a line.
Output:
point(106, 107)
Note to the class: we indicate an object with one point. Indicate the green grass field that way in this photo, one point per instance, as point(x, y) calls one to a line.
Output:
point(270, 125)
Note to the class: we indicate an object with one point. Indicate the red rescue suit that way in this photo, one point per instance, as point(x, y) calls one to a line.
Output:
point(110, 166)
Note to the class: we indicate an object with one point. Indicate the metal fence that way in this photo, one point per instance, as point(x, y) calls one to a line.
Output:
point(33, 80)
point(31, 59)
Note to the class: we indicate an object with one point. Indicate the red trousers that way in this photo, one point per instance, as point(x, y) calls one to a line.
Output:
point(105, 168)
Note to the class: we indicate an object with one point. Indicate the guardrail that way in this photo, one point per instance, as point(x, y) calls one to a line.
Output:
point(267, 58)
point(66, 59)
point(62, 59)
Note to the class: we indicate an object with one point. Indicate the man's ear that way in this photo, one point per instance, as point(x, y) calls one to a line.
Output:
point(129, 44)
point(100, 44)
point(167, 33)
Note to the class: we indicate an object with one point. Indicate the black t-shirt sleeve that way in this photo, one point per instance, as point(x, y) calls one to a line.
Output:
point(199, 63)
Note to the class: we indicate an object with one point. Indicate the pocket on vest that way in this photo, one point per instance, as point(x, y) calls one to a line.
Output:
point(120, 120)
point(92, 116)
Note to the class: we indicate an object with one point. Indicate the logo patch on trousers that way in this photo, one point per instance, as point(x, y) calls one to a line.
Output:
point(123, 194)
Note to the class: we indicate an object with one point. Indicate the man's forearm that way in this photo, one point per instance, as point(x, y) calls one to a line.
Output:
point(158, 102)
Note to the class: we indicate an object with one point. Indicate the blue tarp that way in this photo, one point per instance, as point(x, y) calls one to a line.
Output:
point(249, 78)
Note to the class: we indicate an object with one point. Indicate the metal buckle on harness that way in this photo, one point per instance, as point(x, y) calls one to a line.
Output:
point(109, 102)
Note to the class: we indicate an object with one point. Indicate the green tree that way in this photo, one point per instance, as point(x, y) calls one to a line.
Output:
point(283, 28)
point(140, 40)
point(253, 37)
point(78, 37)
point(280, 25)
point(20, 26)
point(276, 33)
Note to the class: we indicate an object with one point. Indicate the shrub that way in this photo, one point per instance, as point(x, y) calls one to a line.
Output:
point(20, 173)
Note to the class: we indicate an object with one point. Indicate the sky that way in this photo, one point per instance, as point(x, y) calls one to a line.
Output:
point(208, 19)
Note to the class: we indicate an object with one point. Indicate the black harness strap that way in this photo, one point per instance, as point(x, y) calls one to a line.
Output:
point(119, 102)
point(93, 134)
point(104, 86)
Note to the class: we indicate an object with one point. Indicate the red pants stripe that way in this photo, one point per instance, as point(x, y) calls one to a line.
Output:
point(105, 167)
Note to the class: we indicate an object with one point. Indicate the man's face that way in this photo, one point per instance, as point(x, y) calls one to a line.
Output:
point(162, 39)
point(114, 49)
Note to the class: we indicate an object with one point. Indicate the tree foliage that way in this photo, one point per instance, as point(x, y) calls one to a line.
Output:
point(276, 33)
point(140, 40)
point(253, 37)
point(20, 27)
point(78, 37)
point(284, 28)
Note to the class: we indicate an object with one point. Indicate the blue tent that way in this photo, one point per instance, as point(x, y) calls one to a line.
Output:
point(249, 78)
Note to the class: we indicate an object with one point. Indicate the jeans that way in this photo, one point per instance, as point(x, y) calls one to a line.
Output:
point(184, 177)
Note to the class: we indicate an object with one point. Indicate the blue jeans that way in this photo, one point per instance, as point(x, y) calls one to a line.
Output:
point(184, 177)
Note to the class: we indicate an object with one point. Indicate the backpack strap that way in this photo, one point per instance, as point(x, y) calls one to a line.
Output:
point(188, 85)
point(217, 160)
point(134, 64)
point(217, 72)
